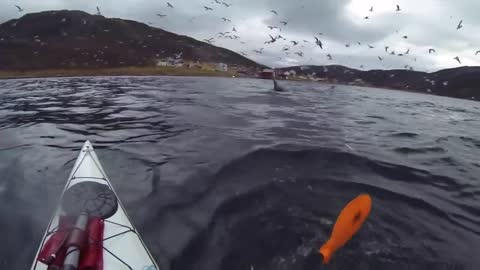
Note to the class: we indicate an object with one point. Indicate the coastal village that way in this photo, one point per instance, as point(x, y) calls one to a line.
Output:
point(178, 62)
point(239, 71)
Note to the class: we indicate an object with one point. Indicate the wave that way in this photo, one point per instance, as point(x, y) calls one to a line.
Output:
point(271, 207)
point(419, 150)
point(405, 135)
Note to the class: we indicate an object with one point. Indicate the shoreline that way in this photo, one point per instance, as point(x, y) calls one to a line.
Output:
point(169, 71)
point(122, 71)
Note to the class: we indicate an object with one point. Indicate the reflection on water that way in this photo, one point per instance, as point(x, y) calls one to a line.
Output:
point(227, 174)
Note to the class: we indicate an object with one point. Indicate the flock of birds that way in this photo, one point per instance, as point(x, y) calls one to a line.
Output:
point(233, 36)
point(205, 7)
point(293, 46)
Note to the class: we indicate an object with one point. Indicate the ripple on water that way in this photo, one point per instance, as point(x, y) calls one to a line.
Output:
point(404, 135)
point(419, 150)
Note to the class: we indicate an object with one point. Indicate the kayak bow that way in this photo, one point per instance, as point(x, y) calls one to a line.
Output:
point(90, 228)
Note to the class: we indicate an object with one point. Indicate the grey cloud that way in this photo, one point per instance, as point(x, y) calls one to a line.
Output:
point(328, 17)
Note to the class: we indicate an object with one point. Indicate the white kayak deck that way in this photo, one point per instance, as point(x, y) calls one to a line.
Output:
point(123, 246)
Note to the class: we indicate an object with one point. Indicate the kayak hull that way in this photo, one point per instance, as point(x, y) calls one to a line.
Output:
point(123, 248)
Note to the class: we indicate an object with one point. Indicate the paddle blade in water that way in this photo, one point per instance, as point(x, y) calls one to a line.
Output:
point(348, 223)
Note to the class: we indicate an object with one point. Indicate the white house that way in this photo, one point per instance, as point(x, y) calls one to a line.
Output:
point(221, 67)
point(162, 63)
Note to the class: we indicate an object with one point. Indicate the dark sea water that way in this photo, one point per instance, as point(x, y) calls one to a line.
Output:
point(225, 174)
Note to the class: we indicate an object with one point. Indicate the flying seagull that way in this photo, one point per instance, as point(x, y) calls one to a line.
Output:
point(272, 27)
point(477, 52)
point(380, 58)
point(347, 45)
point(218, 2)
point(405, 37)
point(459, 24)
point(305, 41)
point(319, 43)
point(274, 12)
point(207, 8)
point(234, 30)
point(98, 11)
point(226, 5)
point(386, 48)
point(329, 57)
point(299, 54)
point(226, 20)
point(210, 40)
point(370, 46)
point(283, 22)
point(398, 8)
point(458, 59)
point(366, 17)
point(272, 40)
point(161, 15)
point(259, 51)
point(294, 42)
point(359, 43)
point(19, 8)
point(169, 5)
point(392, 52)
point(407, 52)
point(371, 9)
point(431, 51)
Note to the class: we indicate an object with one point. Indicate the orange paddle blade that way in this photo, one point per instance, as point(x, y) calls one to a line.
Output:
point(348, 223)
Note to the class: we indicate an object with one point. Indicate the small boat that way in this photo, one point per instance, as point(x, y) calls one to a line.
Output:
point(90, 228)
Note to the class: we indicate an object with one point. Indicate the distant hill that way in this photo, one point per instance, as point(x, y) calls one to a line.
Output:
point(462, 82)
point(75, 39)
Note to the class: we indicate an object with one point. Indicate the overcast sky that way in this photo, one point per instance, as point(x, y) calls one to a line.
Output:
point(427, 23)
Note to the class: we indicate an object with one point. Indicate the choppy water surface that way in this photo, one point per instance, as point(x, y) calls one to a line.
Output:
point(227, 174)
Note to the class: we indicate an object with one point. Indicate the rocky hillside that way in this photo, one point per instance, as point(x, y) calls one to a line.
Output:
point(462, 82)
point(75, 39)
